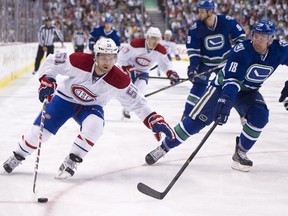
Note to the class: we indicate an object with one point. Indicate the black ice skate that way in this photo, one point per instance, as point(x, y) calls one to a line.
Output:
point(240, 161)
point(68, 167)
point(12, 162)
point(125, 115)
point(155, 155)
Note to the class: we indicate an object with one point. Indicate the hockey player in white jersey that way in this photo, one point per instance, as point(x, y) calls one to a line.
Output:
point(170, 45)
point(91, 82)
point(140, 55)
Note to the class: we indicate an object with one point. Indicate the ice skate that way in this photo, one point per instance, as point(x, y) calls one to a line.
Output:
point(155, 155)
point(68, 167)
point(12, 162)
point(240, 161)
point(125, 115)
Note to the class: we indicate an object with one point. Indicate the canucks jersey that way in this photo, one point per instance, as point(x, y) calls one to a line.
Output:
point(211, 46)
point(246, 70)
point(99, 32)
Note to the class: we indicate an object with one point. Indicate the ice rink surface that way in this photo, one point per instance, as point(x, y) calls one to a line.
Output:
point(105, 184)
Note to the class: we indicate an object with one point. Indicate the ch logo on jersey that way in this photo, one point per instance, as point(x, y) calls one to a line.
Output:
point(258, 73)
point(82, 94)
point(214, 42)
point(142, 61)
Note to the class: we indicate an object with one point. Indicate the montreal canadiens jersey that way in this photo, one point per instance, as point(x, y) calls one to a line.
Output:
point(211, 46)
point(81, 87)
point(170, 46)
point(137, 55)
point(247, 70)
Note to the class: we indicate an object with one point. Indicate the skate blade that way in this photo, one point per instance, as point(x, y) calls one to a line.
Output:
point(62, 175)
point(237, 166)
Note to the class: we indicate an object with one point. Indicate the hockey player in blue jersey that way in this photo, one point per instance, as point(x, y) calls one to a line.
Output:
point(237, 85)
point(208, 44)
point(106, 31)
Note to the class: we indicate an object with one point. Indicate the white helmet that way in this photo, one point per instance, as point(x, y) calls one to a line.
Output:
point(168, 32)
point(106, 46)
point(153, 32)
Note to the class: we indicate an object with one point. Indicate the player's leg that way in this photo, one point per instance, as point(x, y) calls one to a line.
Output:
point(197, 91)
point(58, 113)
point(39, 56)
point(257, 116)
point(91, 120)
point(202, 115)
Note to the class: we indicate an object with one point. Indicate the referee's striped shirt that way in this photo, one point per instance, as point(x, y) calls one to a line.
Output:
point(46, 35)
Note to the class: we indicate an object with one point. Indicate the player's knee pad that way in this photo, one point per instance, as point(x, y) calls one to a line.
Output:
point(258, 115)
point(92, 128)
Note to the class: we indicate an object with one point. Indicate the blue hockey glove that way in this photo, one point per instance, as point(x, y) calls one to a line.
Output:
point(173, 76)
point(284, 95)
point(91, 45)
point(191, 72)
point(223, 107)
point(158, 125)
point(47, 88)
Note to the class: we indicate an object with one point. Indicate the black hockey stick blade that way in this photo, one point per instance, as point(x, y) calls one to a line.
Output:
point(145, 189)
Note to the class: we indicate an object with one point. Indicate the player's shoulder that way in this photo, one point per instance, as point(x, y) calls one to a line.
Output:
point(138, 43)
point(117, 78)
point(161, 49)
point(83, 61)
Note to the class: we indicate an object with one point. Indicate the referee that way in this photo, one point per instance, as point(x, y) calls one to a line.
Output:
point(46, 35)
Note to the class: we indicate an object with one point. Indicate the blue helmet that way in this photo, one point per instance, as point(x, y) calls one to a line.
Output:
point(109, 19)
point(264, 27)
point(206, 4)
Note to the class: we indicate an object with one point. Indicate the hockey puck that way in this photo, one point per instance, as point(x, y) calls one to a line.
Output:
point(42, 200)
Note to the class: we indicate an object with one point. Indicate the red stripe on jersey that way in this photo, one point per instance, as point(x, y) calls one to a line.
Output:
point(117, 78)
point(83, 61)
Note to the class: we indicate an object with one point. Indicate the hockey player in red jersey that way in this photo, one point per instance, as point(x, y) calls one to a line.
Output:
point(91, 82)
point(138, 57)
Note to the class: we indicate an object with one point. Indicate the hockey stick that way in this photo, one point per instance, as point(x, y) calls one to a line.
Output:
point(145, 189)
point(166, 87)
point(181, 81)
point(154, 67)
point(43, 112)
point(157, 77)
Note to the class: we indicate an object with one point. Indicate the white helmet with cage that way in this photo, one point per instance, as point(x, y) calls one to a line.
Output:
point(153, 32)
point(105, 46)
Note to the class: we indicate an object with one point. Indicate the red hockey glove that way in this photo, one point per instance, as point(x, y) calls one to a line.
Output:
point(47, 88)
point(158, 125)
point(173, 76)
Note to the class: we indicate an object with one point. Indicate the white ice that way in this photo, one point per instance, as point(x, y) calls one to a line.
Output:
point(105, 184)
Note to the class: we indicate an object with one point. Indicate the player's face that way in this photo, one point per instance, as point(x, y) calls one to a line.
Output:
point(261, 42)
point(108, 26)
point(105, 62)
point(152, 42)
point(202, 14)
point(167, 37)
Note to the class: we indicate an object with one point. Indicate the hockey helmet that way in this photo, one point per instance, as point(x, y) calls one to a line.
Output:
point(206, 4)
point(168, 32)
point(109, 19)
point(264, 27)
point(153, 32)
point(105, 46)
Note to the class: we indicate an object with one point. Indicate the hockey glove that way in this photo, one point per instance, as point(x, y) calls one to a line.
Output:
point(177, 57)
point(158, 125)
point(192, 73)
point(223, 107)
point(173, 76)
point(47, 88)
point(91, 45)
point(284, 95)
point(129, 69)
